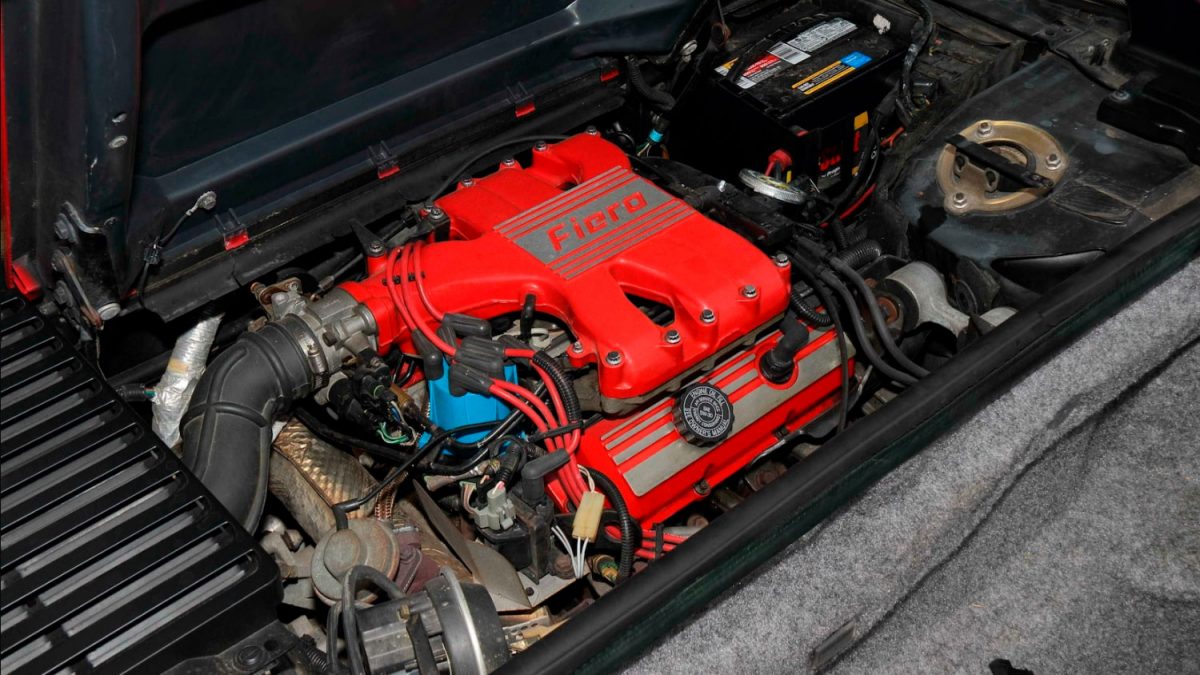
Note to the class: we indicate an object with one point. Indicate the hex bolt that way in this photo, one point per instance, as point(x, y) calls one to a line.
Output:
point(436, 213)
point(509, 161)
point(781, 260)
point(108, 311)
point(749, 291)
point(540, 146)
point(577, 347)
point(1053, 161)
point(592, 131)
point(985, 128)
point(613, 358)
point(468, 182)
point(118, 142)
point(673, 337)
point(1120, 95)
point(61, 229)
point(708, 316)
point(960, 199)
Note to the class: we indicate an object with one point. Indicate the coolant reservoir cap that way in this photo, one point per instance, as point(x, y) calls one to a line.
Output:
point(703, 414)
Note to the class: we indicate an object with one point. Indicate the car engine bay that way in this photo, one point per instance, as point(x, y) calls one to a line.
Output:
point(457, 424)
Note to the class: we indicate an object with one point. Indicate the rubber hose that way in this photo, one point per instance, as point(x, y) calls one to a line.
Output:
point(800, 267)
point(566, 389)
point(861, 253)
point(511, 462)
point(837, 232)
point(226, 431)
point(631, 539)
point(335, 437)
point(861, 332)
point(658, 98)
point(881, 327)
point(807, 314)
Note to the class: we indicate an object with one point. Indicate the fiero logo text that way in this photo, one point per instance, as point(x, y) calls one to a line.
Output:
point(582, 227)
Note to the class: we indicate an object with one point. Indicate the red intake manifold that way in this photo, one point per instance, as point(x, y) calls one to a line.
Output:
point(582, 233)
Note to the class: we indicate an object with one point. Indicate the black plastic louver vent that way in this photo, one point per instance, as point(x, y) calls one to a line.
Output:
point(113, 557)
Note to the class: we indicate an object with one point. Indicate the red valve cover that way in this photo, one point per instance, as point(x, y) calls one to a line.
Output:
point(582, 233)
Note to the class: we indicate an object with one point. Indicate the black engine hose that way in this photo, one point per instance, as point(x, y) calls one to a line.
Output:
point(324, 430)
point(799, 267)
point(658, 98)
point(861, 253)
point(806, 313)
point(514, 457)
point(881, 327)
point(837, 232)
point(631, 536)
point(920, 39)
point(860, 331)
point(566, 390)
point(226, 430)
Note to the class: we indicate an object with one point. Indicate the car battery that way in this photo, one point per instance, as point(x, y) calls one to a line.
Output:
point(801, 80)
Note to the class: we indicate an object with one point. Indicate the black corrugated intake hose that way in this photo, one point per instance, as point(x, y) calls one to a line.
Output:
point(631, 537)
point(658, 98)
point(806, 313)
point(227, 428)
point(861, 253)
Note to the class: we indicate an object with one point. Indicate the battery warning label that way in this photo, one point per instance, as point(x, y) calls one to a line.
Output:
point(832, 73)
point(790, 52)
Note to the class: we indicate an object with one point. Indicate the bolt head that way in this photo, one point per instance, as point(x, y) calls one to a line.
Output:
point(708, 316)
point(613, 358)
point(1120, 95)
point(577, 347)
point(251, 656)
point(749, 291)
point(468, 182)
point(540, 146)
point(960, 199)
point(118, 142)
point(509, 162)
point(61, 229)
point(592, 131)
point(673, 337)
point(781, 260)
point(436, 213)
point(1053, 161)
point(985, 128)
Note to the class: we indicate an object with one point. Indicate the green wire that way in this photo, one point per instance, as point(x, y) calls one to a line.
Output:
point(388, 438)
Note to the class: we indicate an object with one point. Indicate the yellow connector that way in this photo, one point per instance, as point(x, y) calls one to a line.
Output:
point(587, 517)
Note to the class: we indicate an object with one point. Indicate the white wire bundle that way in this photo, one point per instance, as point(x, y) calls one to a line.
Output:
point(576, 553)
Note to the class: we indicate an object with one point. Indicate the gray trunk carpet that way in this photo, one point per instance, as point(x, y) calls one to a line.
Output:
point(1058, 529)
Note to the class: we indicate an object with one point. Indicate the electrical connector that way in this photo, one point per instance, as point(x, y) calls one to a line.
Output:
point(587, 517)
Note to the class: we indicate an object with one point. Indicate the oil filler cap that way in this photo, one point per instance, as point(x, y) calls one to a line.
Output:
point(703, 414)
